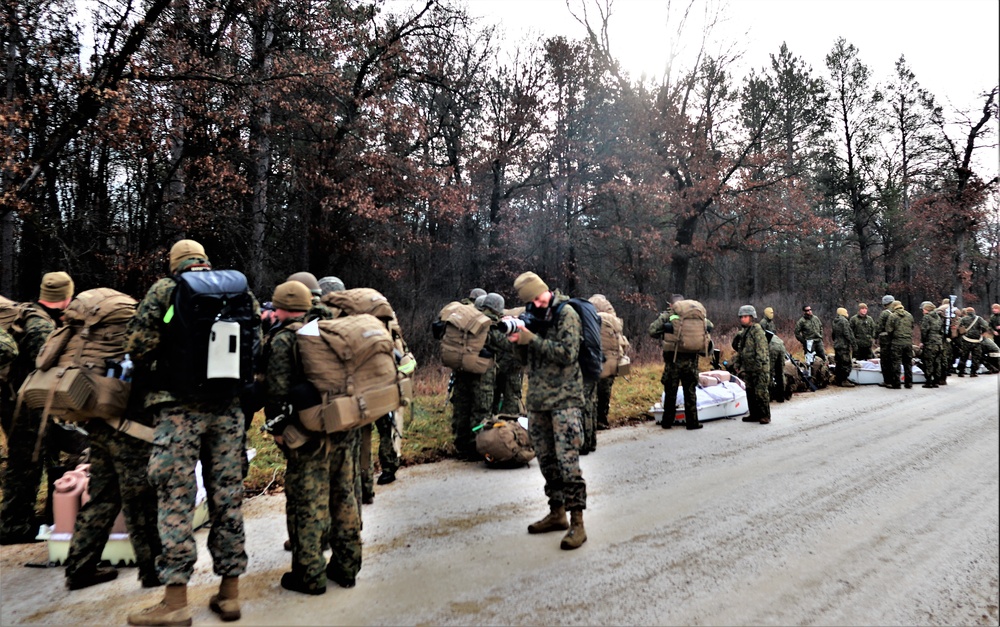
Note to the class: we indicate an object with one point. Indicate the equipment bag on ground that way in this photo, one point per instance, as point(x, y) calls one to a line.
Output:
point(351, 364)
point(503, 442)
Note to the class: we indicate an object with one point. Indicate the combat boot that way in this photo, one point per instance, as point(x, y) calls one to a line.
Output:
point(227, 603)
point(172, 610)
point(554, 521)
point(576, 535)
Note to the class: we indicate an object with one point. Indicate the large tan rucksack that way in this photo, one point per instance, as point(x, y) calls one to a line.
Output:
point(360, 300)
point(690, 334)
point(463, 340)
point(503, 442)
point(350, 362)
point(78, 373)
point(616, 362)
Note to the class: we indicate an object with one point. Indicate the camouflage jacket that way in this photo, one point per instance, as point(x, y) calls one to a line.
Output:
point(864, 330)
point(8, 348)
point(496, 341)
point(843, 336)
point(38, 323)
point(932, 329)
point(995, 323)
point(974, 326)
point(810, 328)
point(752, 353)
point(900, 328)
point(768, 324)
point(883, 319)
point(554, 377)
point(282, 372)
point(146, 332)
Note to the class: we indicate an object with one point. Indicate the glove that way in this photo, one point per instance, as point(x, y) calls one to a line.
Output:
point(674, 317)
point(524, 337)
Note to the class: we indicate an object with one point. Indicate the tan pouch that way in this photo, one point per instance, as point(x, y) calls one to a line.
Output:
point(67, 393)
point(111, 397)
point(624, 366)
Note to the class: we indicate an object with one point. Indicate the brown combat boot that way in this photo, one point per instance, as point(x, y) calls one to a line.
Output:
point(576, 535)
point(554, 521)
point(172, 610)
point(227, 603)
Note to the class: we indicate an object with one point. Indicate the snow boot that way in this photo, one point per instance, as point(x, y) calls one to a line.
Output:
point(172, 610)
point(554, 521)
point(227, 603)
point(576, 535)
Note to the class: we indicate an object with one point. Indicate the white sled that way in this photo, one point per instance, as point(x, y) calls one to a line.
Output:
point(717, 399)
point(869, 372)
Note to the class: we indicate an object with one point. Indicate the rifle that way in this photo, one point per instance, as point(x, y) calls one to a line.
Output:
point(805, 374)
point(716, 359)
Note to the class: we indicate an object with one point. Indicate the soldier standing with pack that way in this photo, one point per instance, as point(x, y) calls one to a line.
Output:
point(23, 475)
point(680, 365)
point(753, 363)
point(809, 333)
point(885, 343)
point(843, 347)
point(550, 347)
point(899, 328)
point(931, 342)
point(971, 329)
point(189, 427)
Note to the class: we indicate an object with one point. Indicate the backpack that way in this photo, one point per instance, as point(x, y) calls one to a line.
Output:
point(591, 356)
point(79, 373)
point(463, 331)
point(350, 363)
point(611, 344)
point(12, 315)
point(503, 442)
point(361, 300)
point(690, 334)
point(210, 333)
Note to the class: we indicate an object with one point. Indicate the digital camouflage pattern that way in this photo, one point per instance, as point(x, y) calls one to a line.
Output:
point(388, 458)
point(753, 363)
point(589, 416)
point(118, 482)
point(885, 347)
point(843, 347)
point(811, 328)
point(604, 387)
point(899, 330)
point(768, 324)
point(968, 344)
point(8, 349)
point(22, 475)
point(345, 506)
point(472, 395)
point(864, 335)
point(507, 391)
point(776, 353)
point(556, 436)
point(680, 373)
point(932, 338)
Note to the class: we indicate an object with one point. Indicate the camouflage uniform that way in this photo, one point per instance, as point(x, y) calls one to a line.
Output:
point(507, 391)
point(555, 399)
point(753, 362)
point(900, 330)
point(604, 387)
point(589, 416)
point(864, 335)
point(8, 349)
point(388, 459)
point(23, 474)
point(776, 353)
point(472, 396)
point(680, 369)
point(811, 328)
point(885, 348)
point(932, 340)
point(118, 482)
point(767, 324)
point(843, 347)
point(188, 430)
point(969, 343)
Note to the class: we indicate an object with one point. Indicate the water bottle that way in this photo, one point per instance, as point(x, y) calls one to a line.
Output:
point(126, 367)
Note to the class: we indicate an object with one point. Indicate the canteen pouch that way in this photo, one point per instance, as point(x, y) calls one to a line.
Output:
point(224, 350)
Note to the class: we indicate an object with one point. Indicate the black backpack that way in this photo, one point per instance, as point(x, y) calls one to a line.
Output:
point(200, 300)
point(591, 356)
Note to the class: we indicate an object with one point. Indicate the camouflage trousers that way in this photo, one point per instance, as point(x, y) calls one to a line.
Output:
point(842, 360)
point(946, 361)
point(864, 352)
point(186, 433)
point(968, 352)
point(758, 394)
point(776, 358)
point(902, 356)
point(589, 416)
point(889, 367)
point(683, 372)
point(471, 403)
point(507, 390)
point(321, 504)
point(118, 482)
point(931, 360)
point(388, 458)
point(604, 400)
point(557, 437)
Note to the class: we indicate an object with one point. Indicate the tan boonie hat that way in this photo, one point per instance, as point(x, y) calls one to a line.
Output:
point(56, 287)
point(896, 305)
point(183, 250)
point(842, 311)
point(927, 305)
point(292, 296)
point(529, 285)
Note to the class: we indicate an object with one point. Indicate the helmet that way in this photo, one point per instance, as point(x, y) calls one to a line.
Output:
point(748, 310)
point(493, 302)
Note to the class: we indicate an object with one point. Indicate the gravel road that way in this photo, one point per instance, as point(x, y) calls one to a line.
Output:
point(854, 507)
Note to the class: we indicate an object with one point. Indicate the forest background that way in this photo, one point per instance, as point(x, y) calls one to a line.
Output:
point(414, 151)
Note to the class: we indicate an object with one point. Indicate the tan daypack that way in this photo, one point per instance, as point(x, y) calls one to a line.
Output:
point(690, 334)
point(71, 378)
point(503, 442)
point(350, 362)
point(616, 362)
point(464, 341)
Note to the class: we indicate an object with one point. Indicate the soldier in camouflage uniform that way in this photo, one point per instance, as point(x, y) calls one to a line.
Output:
point(321, 474)
point(843, 348)
point(863, 327)
point(995, 319)
point(899, 328)
point(776, 353)
point(885, 344)
point(809, 328)
point(605, 385)
point(8, 349)
point(507, 388)
point(555, 398)
point(753, 362)
point(931, 342)
point(678, 370)
point(188, 429)
point(767, 322)
point(971, 329)
point(23, 474)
